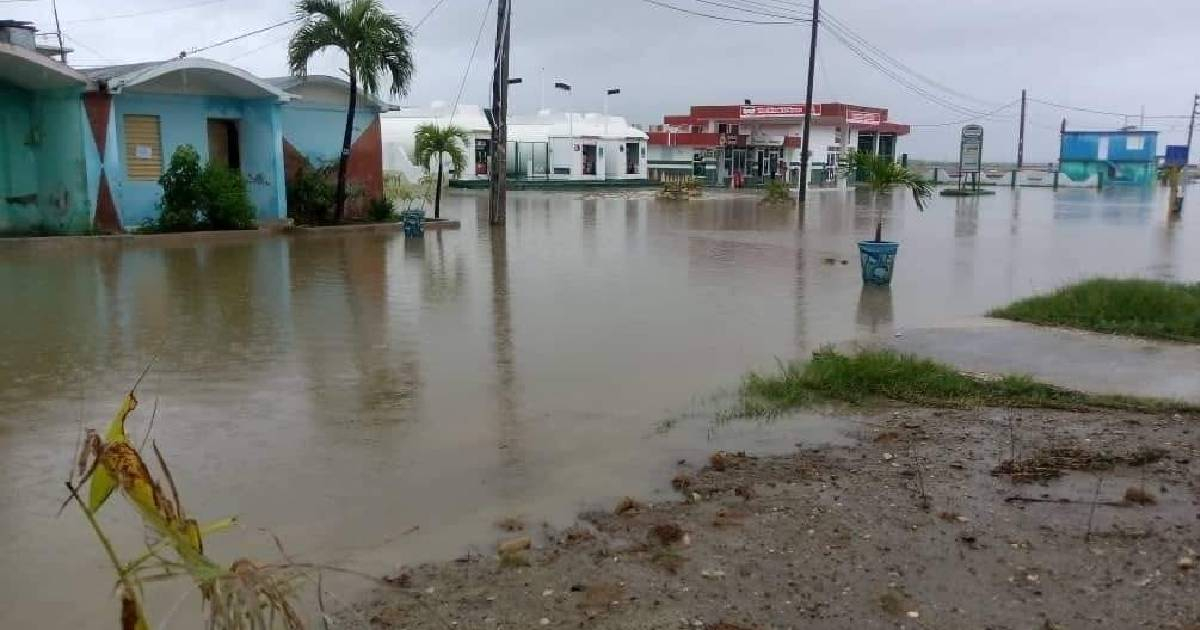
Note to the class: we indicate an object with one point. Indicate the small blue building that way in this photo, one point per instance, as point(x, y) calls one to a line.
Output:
point(1102, 158)
point(138, 114)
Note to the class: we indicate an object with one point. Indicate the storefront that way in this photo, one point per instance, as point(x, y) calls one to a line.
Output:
point(754, 144)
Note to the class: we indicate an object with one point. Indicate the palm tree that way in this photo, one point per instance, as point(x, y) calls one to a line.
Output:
point(374, 42)
point(881, 175)
point(432, 140)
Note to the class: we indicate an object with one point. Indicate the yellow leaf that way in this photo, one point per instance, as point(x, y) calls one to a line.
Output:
point(100, 488)
point(116, 428)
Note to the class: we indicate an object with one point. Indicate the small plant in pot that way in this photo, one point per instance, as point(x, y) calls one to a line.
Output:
point(882, 175)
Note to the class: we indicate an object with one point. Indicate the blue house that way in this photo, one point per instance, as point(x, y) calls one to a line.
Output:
point(43, 187)
point(138, 114)
point(1101, 158)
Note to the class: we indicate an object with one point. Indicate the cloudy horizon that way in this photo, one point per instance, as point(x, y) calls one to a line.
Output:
point(976, 56)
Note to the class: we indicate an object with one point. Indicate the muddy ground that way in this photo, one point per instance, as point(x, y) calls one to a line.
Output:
point(922, 524)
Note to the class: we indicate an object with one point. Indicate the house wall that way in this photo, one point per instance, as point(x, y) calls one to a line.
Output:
point(43, 179)
point(313, 134)
point(183, 119)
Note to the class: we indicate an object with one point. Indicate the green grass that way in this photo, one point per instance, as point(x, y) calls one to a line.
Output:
point(883, 375)
point(1142, 308)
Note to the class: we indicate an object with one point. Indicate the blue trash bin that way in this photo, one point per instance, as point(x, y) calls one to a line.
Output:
point(878, 259)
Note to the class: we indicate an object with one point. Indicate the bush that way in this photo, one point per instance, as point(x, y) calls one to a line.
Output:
point(777, 192)
point(225, 204)
point(196, 196)
point(181, 183)
point(311, 194)
point(380, 209)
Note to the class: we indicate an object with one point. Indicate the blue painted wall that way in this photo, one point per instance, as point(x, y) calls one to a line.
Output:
point(43, 180)
point(316, 130)
point(183, 119)
point(1114, 157)
point(1085, 145)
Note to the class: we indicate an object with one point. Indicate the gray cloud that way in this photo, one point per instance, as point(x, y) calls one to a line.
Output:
point(1093, 53)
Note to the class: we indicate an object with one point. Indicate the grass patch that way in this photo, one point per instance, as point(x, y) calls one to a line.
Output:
point(1142, 308)
point(877, 375)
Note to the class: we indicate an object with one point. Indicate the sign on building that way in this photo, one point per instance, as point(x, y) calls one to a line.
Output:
point(970, 153)
point(859, 117)
point(777, 111)
point(1177, 155)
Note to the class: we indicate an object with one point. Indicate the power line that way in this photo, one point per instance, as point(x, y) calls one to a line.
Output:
point(123, 16)
point(246, 34)
point(974, 118)
point(718, 17)
point(916, 89)
point(437, 5)
point(1105, 113)
point(791, 17)
point(470, 61)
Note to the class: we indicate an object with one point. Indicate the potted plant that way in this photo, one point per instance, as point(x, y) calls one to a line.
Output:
point(882, 175)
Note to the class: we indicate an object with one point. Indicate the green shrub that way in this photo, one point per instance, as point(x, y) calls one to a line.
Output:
point(181, 183)
point(777, 192)
point(380, 209)
point(311, 194)
point(225, 204)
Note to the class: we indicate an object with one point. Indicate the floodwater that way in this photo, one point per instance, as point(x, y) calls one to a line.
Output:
point(383, 401)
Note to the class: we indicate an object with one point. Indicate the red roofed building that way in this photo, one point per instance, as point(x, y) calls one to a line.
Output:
point(762, 142)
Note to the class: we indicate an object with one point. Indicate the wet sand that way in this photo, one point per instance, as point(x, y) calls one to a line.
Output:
point(911, 527)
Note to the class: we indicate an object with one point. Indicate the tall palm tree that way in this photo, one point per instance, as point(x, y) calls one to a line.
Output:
point(374, 41)
point(432, 140)
point(881, 175)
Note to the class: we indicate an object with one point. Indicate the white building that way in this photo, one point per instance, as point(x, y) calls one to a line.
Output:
point(551, 146)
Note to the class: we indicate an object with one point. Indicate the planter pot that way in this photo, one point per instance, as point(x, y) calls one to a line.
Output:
point(878, 259)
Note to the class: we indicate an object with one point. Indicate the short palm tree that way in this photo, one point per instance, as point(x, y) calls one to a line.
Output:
point(882, 174)
point(431, 141)
point(374, 41)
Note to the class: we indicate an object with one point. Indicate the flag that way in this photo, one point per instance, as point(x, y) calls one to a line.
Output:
point(562, 86)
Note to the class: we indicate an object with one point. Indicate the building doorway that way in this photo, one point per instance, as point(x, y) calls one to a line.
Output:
point(589, 159)
point(224, 145)
point(483, 154)
point(633, 157)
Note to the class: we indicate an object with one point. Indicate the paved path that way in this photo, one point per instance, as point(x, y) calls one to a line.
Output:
point(1075, 359)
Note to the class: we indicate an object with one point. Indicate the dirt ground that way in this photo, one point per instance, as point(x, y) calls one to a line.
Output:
point(926, 523)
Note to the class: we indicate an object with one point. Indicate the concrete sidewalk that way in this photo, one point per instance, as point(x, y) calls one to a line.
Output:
point(1079, 360)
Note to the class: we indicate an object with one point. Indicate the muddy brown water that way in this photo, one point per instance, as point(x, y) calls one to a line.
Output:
point(344, 388)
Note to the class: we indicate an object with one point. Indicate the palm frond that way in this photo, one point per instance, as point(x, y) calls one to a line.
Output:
point(432, 140)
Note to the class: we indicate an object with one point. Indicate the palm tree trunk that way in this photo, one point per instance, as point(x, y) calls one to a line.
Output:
point(437, 195)
point(878, 217)
point(344, 160)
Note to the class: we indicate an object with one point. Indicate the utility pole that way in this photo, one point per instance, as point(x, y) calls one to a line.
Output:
point(1178, 208)
point(812, 64)
point(1192, 124)
point(62, 50)
point(1021, 137)
point(499, 173)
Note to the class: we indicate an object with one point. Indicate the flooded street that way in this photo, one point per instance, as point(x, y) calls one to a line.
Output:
point(343, 388)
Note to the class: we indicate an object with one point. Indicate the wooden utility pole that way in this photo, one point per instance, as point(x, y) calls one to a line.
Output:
point(1192, 124)
point(499, 168)
point(1182, 175)
point(1021, 136)
point(802, 196)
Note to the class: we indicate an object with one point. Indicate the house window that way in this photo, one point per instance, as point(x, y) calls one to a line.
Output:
point(1135, 143)
point(143, 148)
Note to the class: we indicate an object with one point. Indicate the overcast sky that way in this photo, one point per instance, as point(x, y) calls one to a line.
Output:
point(1106, 55)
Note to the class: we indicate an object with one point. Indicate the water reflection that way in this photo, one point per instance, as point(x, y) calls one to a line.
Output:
point(875, 311)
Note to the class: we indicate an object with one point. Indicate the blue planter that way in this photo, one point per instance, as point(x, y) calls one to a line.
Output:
point(878, 259)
